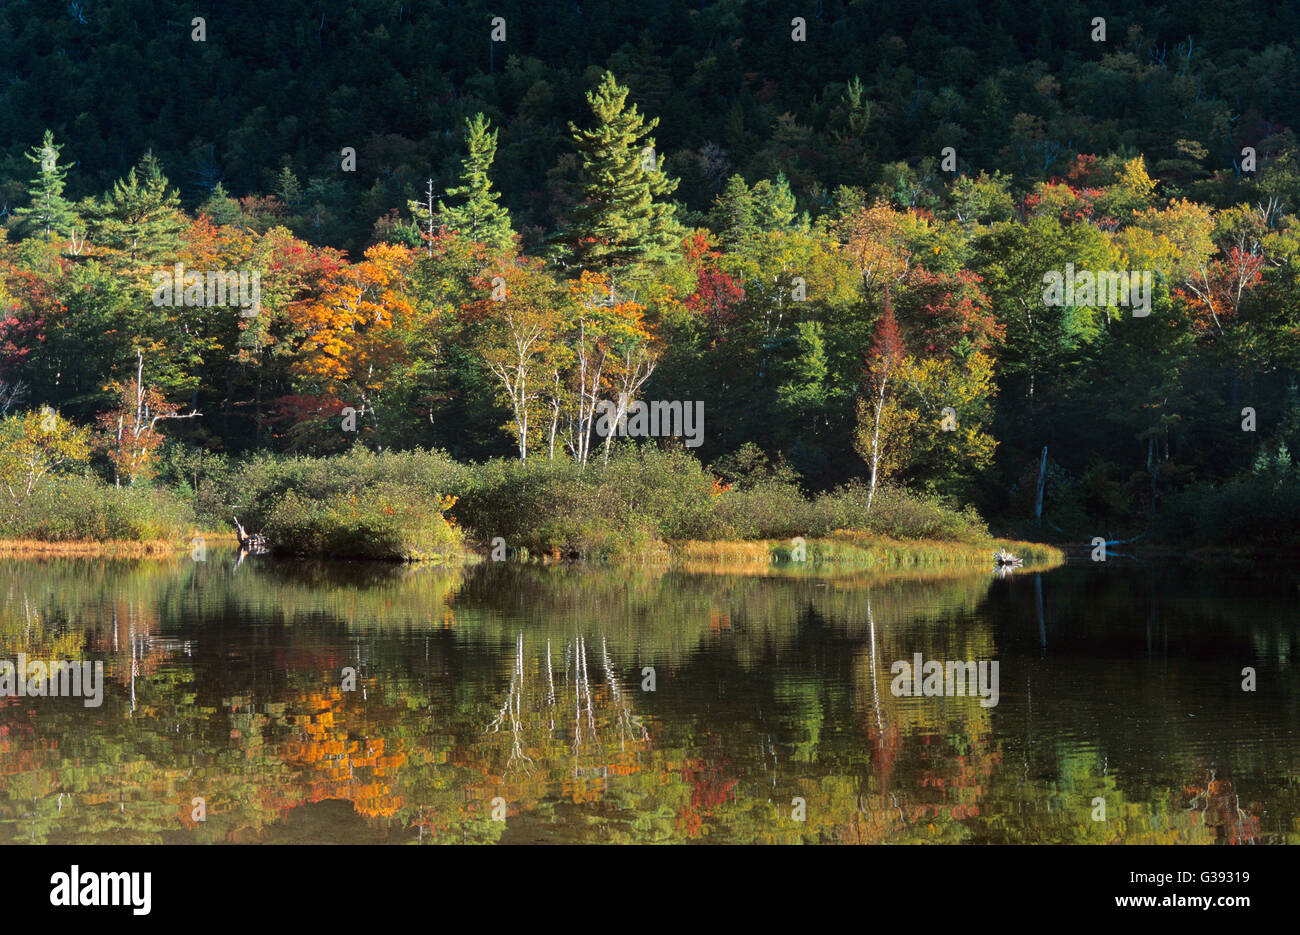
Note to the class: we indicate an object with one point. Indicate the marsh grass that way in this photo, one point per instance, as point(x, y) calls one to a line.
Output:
point(114, 548)
point(859, 550)
point(79, 509)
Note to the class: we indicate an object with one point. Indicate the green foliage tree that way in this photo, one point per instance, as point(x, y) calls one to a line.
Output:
point(617, 223)
point(774, 205)
point(479, 216)
point(49, 213)
point(35, 445)
point(221, 207)
point(732, 217)
point(140, 218)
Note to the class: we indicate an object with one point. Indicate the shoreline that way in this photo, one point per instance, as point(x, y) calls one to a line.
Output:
point(839, 551)
point(87, 548)
point(845, 549)
point(851, 551)
point(110, 548)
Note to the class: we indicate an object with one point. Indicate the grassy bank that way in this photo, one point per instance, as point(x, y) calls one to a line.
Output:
point(423, 504)
point(646, 505)
point(79, 513)
point(853, 551)
point(113, 548)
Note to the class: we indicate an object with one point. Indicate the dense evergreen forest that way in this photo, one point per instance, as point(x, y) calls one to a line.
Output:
point(833, 224)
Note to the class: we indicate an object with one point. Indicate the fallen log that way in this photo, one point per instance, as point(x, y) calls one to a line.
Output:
point(255, 544)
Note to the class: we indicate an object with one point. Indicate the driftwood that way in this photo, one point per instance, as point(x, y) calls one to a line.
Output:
point(1004, 559)
point(255, 544)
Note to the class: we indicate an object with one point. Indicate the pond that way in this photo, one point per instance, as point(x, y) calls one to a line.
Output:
point(280, 702)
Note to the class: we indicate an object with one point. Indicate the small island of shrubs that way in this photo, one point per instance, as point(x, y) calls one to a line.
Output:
point(645, 504)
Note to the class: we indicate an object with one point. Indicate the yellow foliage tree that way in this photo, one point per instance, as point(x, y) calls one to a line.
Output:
point(35, 445)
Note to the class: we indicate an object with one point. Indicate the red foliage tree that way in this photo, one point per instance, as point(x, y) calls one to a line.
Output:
point(715, 297)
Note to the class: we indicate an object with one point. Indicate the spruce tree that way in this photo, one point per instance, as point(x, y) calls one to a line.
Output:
point(221, 207)
point(774, 204)
point(49, 213)
point(478, 216)
point(289, 189)
point(616, 222)
point(732, 216)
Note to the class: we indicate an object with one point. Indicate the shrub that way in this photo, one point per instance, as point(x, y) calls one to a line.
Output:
point(260, 484)
point(605, 510)
point(84, 507)
point(897, 513)
point(664, 491)
point(1256, 511)
point(768, 509)
point(537, 505)
point(382, 521)
point(200, 476)
point(644, 495)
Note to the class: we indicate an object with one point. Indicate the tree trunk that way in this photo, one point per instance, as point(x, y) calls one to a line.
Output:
point(875, 442)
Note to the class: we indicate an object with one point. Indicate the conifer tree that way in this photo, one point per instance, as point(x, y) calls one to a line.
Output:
point(478, 216)
point(740, 212)
point(774, 206)
point(220, 206)
point(140, 217)
point(733, 213)
point(617, 223)
point(289, 189)
point(49, 213)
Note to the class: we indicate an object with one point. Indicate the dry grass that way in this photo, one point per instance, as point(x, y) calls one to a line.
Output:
point(32, 548)
point(846, 550)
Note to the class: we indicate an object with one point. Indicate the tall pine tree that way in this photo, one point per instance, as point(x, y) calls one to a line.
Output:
point(617, 223)
point(478, 216)
point(774, 205)
point(49, 213)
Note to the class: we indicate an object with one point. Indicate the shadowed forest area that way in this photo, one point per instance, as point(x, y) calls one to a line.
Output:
point(927, 270)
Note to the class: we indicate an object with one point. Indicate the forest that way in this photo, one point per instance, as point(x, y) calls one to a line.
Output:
point(266, 260)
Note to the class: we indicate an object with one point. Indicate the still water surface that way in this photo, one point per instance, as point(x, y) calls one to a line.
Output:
point(522, 692)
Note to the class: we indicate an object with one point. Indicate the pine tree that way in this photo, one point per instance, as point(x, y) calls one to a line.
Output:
point(479, 216)
point(289, 189)
point(774, 204)
point(50, 213)
point(140, 217)
point(221, 207)
point(733, 213)
point(616, 222)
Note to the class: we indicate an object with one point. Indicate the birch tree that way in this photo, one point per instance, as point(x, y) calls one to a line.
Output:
point(875, 428)
point(519, 344)
point(131, 437)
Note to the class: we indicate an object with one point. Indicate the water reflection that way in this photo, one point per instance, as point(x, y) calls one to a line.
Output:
point(539, 718)
point(584, 704)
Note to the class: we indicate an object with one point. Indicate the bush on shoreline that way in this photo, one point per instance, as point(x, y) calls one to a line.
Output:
point(84, 508)
point(1258, 511)
point(424, 506)
point(384, 521)
point(366, 504)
